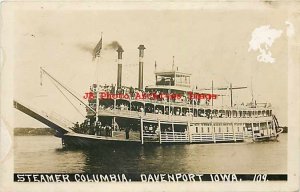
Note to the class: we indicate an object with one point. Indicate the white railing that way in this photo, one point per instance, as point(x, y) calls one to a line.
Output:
point(174, 137)
point(239, 136)
point(202, 137)
point(179, 118)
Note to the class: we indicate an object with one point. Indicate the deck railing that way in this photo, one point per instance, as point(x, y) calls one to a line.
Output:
point(176, 118)
point(202, 137)
point(177, 137)
point(174, 137)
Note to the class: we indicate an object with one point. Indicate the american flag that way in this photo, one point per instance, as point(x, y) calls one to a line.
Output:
point(97, 49)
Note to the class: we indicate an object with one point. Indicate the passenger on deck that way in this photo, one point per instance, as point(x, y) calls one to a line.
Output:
point(150, 128)
point(157, 132)
point(146, 128)
point(107, 130)
point(127, 129)
point(98, 126)
point(126, 107)
point(91, 129)
point(141, 109)
point(76, 127)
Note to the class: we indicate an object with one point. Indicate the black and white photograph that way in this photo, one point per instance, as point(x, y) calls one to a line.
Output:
point(195, 94)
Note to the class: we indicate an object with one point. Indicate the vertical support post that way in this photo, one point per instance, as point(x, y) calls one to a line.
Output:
point(231, 102)
point(212, 92)
point(97, 102)
point(243, 134)
point(252, 131)
point(173, 131)
point(169, 99)
point(189, 131)
point(233, 132)
point(269, 134)
point(273, 132)
point(213, 132)
point(159, 129)
point(142, 131)
point(259, 126)
point(113, 126)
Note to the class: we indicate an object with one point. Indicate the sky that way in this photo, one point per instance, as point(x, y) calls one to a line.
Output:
point(210, 44)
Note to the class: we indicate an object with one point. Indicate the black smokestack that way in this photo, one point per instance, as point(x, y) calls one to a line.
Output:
point(141, 66)
point(119, 77)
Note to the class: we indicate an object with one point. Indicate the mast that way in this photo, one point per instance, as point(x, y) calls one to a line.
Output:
point(169, 98)
point(97, 77)
point(231, 102)
point(97, 89)
point(173, 64)
point(252, 97)
point(44, 71)
point(212, 92)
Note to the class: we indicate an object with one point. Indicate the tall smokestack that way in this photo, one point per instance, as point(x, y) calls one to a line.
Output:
point(141, 66)
point(119, 77)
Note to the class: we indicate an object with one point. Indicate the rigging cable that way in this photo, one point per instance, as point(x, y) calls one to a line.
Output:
point(68, 99)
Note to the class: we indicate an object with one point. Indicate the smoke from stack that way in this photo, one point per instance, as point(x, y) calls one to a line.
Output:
point(141, 49)
point(86, 47)
point(113, 45)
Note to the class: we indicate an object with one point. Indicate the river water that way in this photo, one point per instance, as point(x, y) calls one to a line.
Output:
point(45, 154)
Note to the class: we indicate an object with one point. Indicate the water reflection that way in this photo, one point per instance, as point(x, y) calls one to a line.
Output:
point(45, 154)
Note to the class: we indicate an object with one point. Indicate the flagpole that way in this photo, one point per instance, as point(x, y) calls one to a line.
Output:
point(97, 90)
point(98, 55)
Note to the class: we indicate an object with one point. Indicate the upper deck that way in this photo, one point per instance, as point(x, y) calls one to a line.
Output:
point(180, 110)
point(158, 99)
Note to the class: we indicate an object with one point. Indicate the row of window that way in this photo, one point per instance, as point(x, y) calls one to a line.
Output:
point(229, 129)
point(215, 130)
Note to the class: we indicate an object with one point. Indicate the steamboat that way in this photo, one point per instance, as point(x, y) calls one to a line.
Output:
point(169, 112)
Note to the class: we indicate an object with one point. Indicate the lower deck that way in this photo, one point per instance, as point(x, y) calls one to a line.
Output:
point(153, 129)
point(148, 131)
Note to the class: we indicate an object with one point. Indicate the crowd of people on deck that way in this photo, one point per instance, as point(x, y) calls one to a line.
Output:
point(99, 129)
point(148, 108)
point(154, 95)
point(87, 127)
point(151, 129)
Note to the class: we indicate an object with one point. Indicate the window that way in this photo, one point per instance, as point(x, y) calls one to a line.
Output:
point(196, 129)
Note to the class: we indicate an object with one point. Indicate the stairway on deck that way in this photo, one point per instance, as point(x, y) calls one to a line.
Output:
point(43, 117)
